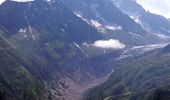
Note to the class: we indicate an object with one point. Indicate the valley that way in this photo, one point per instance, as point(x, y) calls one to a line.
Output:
point(76, 91)
point(83, 50)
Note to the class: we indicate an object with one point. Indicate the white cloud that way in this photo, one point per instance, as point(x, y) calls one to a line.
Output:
point(109, 44)
point(1, 1)
point(161, 7)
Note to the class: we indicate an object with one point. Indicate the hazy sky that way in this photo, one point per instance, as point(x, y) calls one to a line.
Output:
point(161, 7)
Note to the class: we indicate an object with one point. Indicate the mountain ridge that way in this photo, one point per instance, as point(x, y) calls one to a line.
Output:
point(48, 49)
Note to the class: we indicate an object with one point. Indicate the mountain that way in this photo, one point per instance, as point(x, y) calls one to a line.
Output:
point(142, 72)
point(59, 49)
point(39, 15)
point(153, 23)
point(45, 54)
point(110, 21)
point(144, 77)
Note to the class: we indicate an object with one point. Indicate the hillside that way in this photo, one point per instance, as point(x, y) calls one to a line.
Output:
point(46, 37)
point(145, 77)
point(59, 49)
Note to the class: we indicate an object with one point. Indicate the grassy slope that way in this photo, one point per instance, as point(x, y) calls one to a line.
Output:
point(15, 78)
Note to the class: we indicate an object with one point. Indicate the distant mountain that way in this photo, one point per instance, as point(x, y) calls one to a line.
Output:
point(153, 23)
point(117, 24)
point(109, 20)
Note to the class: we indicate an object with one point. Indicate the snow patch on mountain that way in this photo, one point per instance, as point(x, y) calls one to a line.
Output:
point(95, 23)
point(22, 30)
point(137, 50)
point(149, 47)
point(162, 36)
point(113, 28)
point(80, 15)
point(136, 19)
point(134, 35)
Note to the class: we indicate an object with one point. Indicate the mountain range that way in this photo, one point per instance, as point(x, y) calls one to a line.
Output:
point(59, 49)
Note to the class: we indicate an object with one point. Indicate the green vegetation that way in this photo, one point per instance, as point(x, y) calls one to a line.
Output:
point(30, 94)
point(137, 78)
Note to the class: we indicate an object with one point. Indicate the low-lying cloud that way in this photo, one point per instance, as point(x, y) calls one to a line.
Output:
point(109, 44)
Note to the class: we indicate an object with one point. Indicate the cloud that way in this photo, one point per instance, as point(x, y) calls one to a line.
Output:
point(1, 1)
point(161, 7)
point(109, 44)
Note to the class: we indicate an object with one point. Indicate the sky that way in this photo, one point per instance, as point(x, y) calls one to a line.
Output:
point(161, 7)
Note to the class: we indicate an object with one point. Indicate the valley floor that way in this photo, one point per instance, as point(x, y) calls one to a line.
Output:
point(76, 91)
